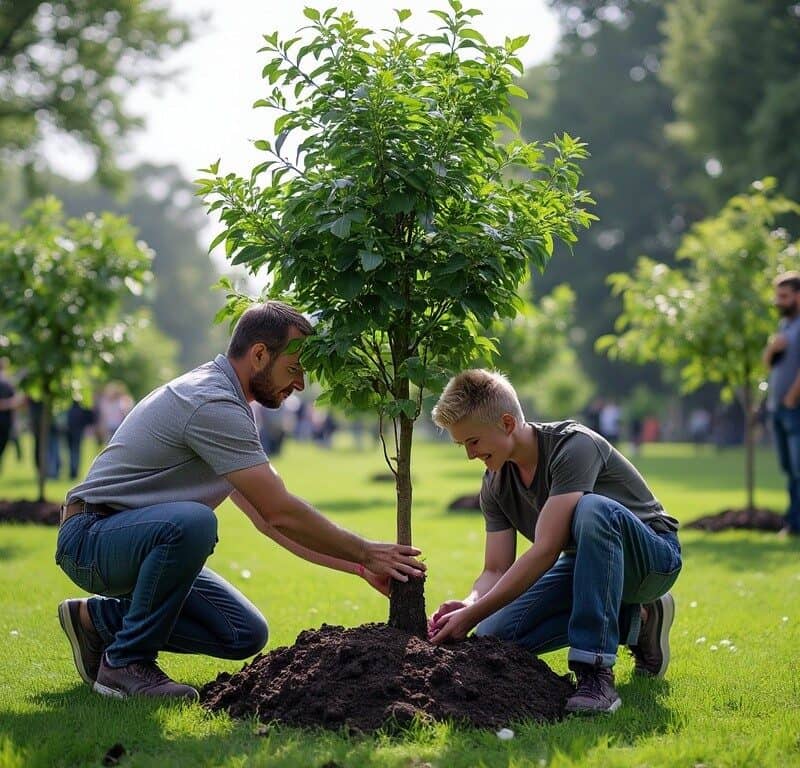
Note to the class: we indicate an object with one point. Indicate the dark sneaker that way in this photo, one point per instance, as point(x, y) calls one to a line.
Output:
point(139, 679)
point(651, 652)
point(87, 645)
point(596, 693)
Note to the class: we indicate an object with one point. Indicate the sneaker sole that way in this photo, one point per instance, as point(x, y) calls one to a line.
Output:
point(104, 690)
point(65, 620)
point(667, 618)
point(586, 712)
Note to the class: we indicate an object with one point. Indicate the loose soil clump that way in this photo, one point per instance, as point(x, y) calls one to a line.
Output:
point(372, 676)
point(758, 519)
point(42, 512)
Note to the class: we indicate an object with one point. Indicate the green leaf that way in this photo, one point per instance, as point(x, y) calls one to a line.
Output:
point(341, 226)
point(402, 14)
point(311, 13)
point(369, 260)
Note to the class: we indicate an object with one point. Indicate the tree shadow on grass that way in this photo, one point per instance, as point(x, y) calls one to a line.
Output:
point(75, 727)
point(9, 552)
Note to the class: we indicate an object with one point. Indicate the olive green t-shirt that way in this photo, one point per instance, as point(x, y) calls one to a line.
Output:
point(571, 458)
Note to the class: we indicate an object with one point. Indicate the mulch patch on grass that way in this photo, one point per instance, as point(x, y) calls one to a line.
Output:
point(42, 512)
point(758, 519)
point(471, 502)
point(372, 676)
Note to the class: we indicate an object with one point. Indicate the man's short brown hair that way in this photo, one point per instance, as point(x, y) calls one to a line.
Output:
point(479, 394)
point(790, 279)
point(267, 323)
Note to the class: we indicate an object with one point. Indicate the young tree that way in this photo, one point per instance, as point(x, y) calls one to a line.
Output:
point(711, 319)
point(61, 282)
point(400, 222)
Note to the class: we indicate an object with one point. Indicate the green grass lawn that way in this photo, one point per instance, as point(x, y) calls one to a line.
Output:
point(731, 697)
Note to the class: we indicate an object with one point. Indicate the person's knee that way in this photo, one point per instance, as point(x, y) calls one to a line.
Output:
point(495, 626)
point(251, 640)
point(196, 526)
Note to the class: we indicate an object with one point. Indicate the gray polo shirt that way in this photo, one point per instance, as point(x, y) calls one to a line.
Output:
point(571, 458)
point(787, 363)
point(177, 443)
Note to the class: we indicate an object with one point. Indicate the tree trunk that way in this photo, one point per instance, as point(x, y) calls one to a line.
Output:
point(407, 599)
point(749, 445)
point(45, 416)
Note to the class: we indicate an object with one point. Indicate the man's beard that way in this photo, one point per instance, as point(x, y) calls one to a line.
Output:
point(789, 311)
point(262, 387)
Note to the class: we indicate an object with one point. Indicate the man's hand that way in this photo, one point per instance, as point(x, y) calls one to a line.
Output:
point(397, 561)
point(790, 401)
point(452, 627)
point(378, 583)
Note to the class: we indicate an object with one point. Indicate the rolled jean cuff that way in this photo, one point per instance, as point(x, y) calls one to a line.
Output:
point(96, 617)
point(594, 659)
point(636, 626)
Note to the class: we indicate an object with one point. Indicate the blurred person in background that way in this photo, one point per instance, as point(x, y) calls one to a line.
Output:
point(782, 357)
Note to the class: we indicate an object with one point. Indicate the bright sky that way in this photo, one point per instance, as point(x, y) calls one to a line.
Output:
point(206, 113)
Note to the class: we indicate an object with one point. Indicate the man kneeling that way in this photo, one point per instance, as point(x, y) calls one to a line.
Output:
point(604, 551)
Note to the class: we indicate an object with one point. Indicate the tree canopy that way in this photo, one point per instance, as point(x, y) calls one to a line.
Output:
point(66, 67)
point(734, 67)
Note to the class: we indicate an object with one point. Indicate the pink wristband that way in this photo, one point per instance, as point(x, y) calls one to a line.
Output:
point(360, 570)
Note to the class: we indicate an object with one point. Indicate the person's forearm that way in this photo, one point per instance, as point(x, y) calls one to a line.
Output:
point(335, 563)
point(303, 525)
point(482, 585)
point(525, 572)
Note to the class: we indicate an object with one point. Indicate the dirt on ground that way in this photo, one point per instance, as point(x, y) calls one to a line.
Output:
point(42, 512)
point(471, 502)
point(372, 676)
point(757, 519)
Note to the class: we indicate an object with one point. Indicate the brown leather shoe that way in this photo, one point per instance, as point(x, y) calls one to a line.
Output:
point(596, 693)
point(87, 645)
point(141, 678)
point(651, 652)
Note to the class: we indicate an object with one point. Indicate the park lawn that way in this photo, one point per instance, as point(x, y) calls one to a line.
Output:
point(731, 697)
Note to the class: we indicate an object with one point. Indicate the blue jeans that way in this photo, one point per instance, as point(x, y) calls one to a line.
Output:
point(149, 566)
point(590, 598)
point(786, 425)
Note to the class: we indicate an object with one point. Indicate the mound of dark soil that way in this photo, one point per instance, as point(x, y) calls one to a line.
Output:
point(469, 502)
point(374, 675)
point(748, 519)
point(43, 512)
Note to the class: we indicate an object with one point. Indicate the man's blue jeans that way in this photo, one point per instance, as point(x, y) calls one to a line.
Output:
point(786, 425)
point(149, 564)
point(590, 598)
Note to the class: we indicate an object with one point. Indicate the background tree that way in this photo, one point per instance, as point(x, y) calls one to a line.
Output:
point(535, 349)
point(67, 65)
point(161, 205)
point(712, 318)
point(149, 359)
point(61, 283)
point(399, 223)
point(602, 84)
point(734, 67)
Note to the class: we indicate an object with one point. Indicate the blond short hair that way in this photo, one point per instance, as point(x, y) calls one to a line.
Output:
point(479, 394)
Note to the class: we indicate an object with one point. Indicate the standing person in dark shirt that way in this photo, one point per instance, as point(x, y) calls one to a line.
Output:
point(782, 356)
point(604, 554)
point(8, 402)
